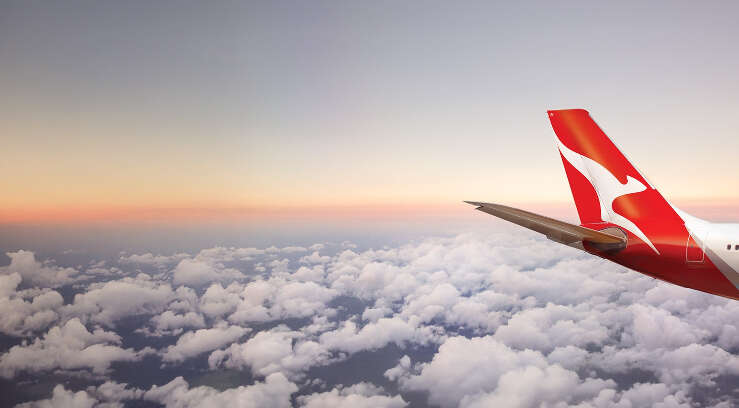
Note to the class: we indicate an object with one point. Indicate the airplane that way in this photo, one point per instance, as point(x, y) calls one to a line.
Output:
point(624, 219)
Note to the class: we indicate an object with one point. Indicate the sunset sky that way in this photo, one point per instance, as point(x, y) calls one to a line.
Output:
point(260, 203)
point(131, 109)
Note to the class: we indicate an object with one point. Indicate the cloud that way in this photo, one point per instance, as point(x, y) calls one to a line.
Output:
point(150, 259)
point(20, 317)
point(218, 301)
point(315, 258)
point(482, 372)
point(465, 367)
point(652, 395)
point(362, 395)
point(62, 397)
point(108, 302)
point(111, 391)
point(477, 316)
point(696, 364)
point(170, 323)
point(569, 357)
point(69, 347)
point(110, 394)
point(200, 341)
point(533, 386)
point(654, 328)
point(9, 284)
point(376, 335)
point(275, 351)
point(306, 274)
point(274, 392)
point(36, 273)
point(544, 328)
point(277, 298)
point(293, 249)
point(194, 272)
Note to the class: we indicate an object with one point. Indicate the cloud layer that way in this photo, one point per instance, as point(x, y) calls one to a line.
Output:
point(499, 319)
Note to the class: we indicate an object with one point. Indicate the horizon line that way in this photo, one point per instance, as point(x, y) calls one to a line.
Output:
point(722, 208)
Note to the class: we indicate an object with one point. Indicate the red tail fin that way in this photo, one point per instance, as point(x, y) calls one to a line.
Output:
point(605, 185)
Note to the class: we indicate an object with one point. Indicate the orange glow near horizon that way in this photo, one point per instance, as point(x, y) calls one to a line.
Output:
point(214, 213)
point(714, 210)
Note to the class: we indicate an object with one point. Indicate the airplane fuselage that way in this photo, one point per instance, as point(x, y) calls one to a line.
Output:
point(705, 259)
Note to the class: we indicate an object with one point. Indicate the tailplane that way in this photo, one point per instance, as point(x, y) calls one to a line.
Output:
point(575, 236)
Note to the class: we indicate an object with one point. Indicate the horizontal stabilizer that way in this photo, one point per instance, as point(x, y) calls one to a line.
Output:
point(559, 231)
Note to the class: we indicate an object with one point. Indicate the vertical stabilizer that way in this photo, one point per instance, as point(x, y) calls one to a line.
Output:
point(606, 187)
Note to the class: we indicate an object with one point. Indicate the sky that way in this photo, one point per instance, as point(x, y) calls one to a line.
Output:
point(191, 110)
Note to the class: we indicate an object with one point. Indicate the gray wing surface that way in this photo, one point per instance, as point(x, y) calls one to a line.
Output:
point(556, 230)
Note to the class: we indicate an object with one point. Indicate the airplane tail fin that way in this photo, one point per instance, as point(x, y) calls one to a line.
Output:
point(606, 187)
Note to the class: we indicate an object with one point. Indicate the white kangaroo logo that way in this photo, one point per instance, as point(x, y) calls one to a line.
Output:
point(608, 188)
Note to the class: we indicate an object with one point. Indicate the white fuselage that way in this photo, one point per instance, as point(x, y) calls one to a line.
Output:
point(719, 241)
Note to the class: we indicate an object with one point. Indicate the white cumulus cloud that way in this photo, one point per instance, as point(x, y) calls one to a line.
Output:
point(68, 347)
